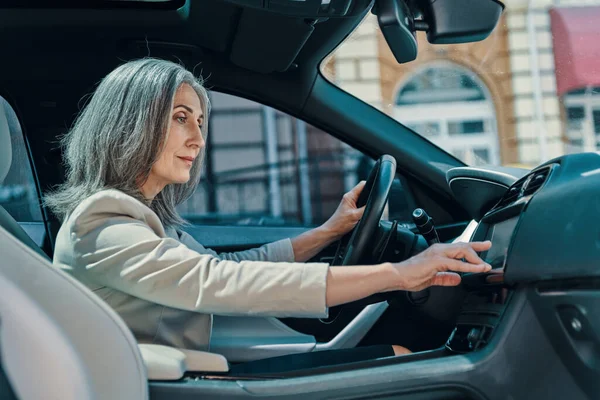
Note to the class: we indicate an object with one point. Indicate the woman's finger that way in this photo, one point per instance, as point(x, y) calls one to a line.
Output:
point(470, 255)
point(463, 250)
point(359, 186)
point(400, 350)
point(450, 264)
point(356, 191)
point(446, 279)
point(480, 246)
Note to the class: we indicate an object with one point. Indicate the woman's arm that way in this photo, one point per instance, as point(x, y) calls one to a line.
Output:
point(280, 251)
point(432, 267)
point(350, 283)
point(299, 249)
point(127, 255)
point(109, 241)
point(309, 244)
point(344, 219)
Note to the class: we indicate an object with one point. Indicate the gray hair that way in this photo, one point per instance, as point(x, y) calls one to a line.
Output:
point(120, 134)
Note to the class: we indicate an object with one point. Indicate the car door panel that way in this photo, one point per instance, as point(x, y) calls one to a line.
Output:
point(571, 317)
point(239, 237)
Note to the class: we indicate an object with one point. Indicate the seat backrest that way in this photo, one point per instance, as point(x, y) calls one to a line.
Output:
point(6, 220)
point(57, 339)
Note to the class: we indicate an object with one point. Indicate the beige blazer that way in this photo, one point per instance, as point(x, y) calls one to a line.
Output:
point(166, 286)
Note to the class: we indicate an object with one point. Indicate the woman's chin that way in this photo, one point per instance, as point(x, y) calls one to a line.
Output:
point(181, 179)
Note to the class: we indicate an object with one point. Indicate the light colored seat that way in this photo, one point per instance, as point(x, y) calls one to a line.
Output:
point(57, 339)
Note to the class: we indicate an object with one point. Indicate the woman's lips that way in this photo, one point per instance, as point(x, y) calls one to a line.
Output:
point(188, 160)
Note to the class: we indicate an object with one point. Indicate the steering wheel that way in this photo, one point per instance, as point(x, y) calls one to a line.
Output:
point(354, 245)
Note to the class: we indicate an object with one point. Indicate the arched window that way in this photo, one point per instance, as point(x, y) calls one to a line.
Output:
point(582, 108)
point(452, 108)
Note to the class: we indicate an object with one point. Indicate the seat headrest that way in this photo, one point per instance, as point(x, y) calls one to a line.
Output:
point(5, 145)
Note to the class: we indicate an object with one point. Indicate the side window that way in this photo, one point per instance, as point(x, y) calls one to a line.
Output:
point(18, 194)
point(264, 167)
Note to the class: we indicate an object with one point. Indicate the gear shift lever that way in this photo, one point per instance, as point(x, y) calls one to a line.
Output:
point(425, 226)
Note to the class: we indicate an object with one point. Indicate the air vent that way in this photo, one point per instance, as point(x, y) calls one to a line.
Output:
point(512, 194)
point(525, 186)
point(536, 181)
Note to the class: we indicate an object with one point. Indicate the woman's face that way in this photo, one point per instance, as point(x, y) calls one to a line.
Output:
point(184, 143)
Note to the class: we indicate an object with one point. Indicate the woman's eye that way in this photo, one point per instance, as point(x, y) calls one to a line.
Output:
point(181, 120)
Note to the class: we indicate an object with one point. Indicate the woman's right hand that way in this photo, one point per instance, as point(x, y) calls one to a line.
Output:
point(434, 266)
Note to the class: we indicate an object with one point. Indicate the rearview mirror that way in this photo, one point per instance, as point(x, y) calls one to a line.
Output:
point(460, 21)
point(396, 22)
point(445, 21)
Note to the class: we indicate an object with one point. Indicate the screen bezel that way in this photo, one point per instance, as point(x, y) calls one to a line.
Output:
point(487, 223)
point(491, 232)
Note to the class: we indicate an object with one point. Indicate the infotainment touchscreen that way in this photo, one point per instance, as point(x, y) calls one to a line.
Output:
point(500, 234)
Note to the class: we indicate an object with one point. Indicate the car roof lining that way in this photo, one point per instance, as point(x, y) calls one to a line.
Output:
point(253, 39)
point(204, 35)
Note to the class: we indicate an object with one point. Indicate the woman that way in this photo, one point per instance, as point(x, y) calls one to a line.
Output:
point(133, 154)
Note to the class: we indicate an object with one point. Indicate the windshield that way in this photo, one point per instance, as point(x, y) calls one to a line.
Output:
point(528, 93)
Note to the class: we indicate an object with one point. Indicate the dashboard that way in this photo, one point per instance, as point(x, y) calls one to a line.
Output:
point(545, 233)
point(545, 225)
point(499, 225)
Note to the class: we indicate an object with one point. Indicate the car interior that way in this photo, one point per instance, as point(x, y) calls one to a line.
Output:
point(527, 329)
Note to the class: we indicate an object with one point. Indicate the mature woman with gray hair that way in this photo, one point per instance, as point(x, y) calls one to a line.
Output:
point(135, 153)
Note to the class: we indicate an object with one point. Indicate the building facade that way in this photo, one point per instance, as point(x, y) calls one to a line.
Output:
point(509, 99)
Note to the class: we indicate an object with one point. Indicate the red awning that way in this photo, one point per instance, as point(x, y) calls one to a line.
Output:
point(576, 37)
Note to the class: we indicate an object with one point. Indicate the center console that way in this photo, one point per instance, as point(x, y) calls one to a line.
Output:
point(487, 295)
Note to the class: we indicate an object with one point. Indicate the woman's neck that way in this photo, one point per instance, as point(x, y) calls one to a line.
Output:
point(151, 188)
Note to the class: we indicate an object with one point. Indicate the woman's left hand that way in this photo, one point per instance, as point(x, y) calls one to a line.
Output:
point(347, 215)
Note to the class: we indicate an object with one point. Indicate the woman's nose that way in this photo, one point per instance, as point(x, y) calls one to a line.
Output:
point(198, 138)
point(202, 140)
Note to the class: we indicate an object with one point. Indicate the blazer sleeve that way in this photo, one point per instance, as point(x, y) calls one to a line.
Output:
point(280, 251)
point(114, 246)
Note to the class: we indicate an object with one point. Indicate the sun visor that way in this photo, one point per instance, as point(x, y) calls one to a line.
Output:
point(266, 42)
